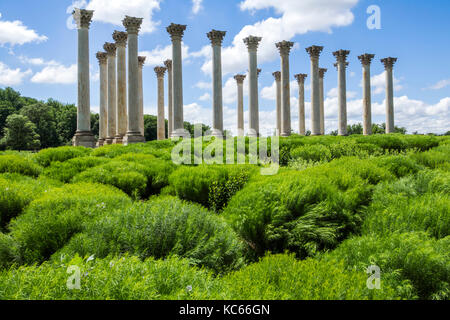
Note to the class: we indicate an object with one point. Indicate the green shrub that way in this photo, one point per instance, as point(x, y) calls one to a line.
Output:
point(282, 277)
point(50, 221)
point(65, 171)
point(9, 252)
point(435, 158)
point(47, 156)
point(385, 141)
point(400, 165)
point(160, 228)
point(159, 149)
point(415, 265)
point(125, 278)
point(17, 191)
point(18, 164)
point(315, 152)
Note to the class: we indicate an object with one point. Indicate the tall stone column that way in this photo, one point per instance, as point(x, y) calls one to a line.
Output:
point(322, 72)
point(216, 38)
point(389, 66)
point(133, 135)
point(314, 53)
point(277, 76)
point(253, 119)
point(301, 102)
point(141, 61)
point(110, 49)
point(161, 122)
point(103, 112)
point(366, 59)
point(168, 64)
point(240, 103)
point(285, 48)
point(341, 60)
point(120, 39)
point(176, 32)
point(83, 136)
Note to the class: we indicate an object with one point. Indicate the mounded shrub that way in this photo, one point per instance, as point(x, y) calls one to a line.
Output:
point(160, 228)
point(435, 158)
point(159, 149)
point(18, 164)
point(65, 171)
point(47, 156)
point(412, 263)
point(400, 165)
point(49, 222)
point(315, 152)
point(9, 252)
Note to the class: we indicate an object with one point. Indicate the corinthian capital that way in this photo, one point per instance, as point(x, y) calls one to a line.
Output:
point(102, 57)
point(252, 42)
point(341, 55)
point(239, 78)
point(110, 48)
point(176, 31)
point(366, 58)
point(160, 71)
point(284, 47)
point(314, 51)
point(168, 64)
point(141, 61)
point(82, 17)
point(277, 75)
point(132, 24)
point(216, 37)
point(120, 37)
point(389, 62)
point(300, 77)
point(322, 72)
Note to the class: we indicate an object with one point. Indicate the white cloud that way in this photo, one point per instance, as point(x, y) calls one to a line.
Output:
point(113, 11)
point(333, 93)
point(440, 84)
point(203, 85)
point(12, 77)
point(159, 54)
point(378, 83)
point(196, 6)
point(15, 32)
point(56, 74)
point(37, 61)
point(296, 17)
point(205, 97)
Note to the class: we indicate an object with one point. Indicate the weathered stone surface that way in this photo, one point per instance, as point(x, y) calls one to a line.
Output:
point(389, 66)
point(252, 43)
point(314, 53)
point(366, 60)
point(301, 102)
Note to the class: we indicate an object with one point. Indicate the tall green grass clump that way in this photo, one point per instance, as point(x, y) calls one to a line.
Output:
point(9, 252)
point(65, 171)
point(20, 165)
point(160, 228)
point(47, 156)
point(50, 221)
point(437, 158)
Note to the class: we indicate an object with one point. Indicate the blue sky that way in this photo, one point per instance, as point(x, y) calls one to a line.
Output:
point(38, 51)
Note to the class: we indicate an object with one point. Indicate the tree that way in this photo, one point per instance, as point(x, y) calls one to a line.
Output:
point(66, 120)
point(20, 133)
point(6, 109)
point(43, 117)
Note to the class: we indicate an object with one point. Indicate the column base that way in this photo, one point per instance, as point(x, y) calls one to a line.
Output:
point(284, 134)
point(84, 139)
point(118, 140)
point(180, 133)
point(217, 133)
point(109, 140)
point(100, 142)
point(132, 137)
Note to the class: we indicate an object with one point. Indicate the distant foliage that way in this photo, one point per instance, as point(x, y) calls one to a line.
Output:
point(47, 156)
point(18, 164)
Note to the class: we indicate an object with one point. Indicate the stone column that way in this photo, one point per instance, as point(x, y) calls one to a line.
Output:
point(322, 72)
point(83, 136)
point(341, 57)
point(388, 66)
point(141, 61)
point(216, 38)
point(240, 103)
point(277, 76)
point(120, 39)
point(301, 102)
point(110, 49)
point(133, 135)
point(168, 64)
point(366, 59)
point(161, 122)
point(176, 32)
point(285, 48)
point(103, 113)
point(314, 53)
point(253, 119)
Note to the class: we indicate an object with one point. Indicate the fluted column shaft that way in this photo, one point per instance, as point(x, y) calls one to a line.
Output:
point(322, 100)
point(168, 64)
point(277, 76)
point(285, 47)
point(240, 103)
point(252, 45)
point(314, 52)
point(161, 123)
point(141, 61)
point(110, 48)
point(367, 100)
point(103, 112)
point(388, 66)
point(121, 110)
point(341, 56)
point(301, 103)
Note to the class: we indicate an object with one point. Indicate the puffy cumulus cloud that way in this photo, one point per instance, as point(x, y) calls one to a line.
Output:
point(36, 61)
point(378, 83)
point(159, 54)
point(205, 97)
point(56, 74)
point(113, 11)
point(295, 17)
point(440, 85)
point(196, 6)
point(16, 33)
point(333, 93)
point(12, 77)
point(269, 93)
